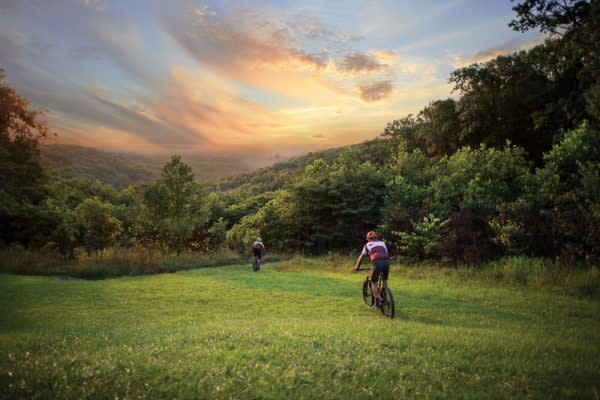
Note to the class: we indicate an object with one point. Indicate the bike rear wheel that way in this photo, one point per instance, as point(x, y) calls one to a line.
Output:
point(367, 293)
point(388, 307)
point(255, 265)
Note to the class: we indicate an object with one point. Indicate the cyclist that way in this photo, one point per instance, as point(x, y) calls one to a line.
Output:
point(378, 253)
point(257, 249)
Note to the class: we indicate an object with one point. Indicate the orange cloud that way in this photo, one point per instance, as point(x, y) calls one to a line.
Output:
point(375, 91)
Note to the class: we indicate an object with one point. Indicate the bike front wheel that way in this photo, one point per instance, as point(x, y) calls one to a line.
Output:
point(367, 293)
point(388, 307)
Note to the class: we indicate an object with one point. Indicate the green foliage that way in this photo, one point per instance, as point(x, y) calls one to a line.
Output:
point(22, 177)
point(481, 180)
point(335, 204)
point(172, 212)
point(423, 240)
point(98, 223)
point(498, 101)
point(217, 234)
point(241, 236)
point(570, 182)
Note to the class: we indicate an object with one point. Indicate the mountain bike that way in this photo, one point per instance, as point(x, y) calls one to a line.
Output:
point(386, 299)
point(255, 264)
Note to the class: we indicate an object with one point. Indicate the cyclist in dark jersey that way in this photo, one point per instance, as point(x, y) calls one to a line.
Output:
point(378, 253)
point(258, 247)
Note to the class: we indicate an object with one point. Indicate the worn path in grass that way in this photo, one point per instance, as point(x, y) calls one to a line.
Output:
point(230, 333)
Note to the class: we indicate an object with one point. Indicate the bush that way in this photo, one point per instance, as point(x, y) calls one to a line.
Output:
point(424, 239)
point(571, 189)
point(467, 238)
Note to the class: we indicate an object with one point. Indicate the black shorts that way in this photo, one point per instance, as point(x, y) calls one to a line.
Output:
point(257, 253)
point(380, 267)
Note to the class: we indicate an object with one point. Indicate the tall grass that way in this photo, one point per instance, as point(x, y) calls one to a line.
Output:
point(115, 262)
point(14, 259)
point(518, 272)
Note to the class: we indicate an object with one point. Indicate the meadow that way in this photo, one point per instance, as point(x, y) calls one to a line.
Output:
point(297, 329)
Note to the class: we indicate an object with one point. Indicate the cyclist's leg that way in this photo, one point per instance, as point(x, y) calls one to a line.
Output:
point(374, 279)
point(385, 270)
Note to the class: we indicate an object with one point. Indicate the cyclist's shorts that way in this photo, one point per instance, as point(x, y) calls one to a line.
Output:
point(257, 253)
point(381, 266)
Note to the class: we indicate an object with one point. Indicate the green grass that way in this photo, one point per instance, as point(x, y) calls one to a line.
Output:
point(294, 330)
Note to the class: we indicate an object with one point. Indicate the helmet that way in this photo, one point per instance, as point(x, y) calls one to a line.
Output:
point(371, 235)
point(258, 239)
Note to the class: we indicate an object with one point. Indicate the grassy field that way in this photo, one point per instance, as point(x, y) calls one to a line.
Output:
point(292, 331)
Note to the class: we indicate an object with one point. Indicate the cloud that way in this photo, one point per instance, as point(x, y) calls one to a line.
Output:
point(189, 77)
point(125, 45)
point(509, 47)
point(290, 57)
point(374, 91)
point(231, 46)
point(358, 63)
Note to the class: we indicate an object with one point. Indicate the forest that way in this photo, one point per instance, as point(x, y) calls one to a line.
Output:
point(509, 166)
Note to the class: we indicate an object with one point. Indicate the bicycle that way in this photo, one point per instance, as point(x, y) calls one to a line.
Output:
point(386, 299)
point(256, 264)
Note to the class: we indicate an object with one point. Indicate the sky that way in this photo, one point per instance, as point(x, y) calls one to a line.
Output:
point(281, 77)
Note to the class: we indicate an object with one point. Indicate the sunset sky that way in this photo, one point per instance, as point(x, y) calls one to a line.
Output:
point(284, 76)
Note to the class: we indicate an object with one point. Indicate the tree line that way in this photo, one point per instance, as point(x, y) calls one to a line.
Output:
point(512, 166)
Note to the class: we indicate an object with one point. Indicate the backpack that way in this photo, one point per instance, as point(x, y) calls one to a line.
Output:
point(257, 245)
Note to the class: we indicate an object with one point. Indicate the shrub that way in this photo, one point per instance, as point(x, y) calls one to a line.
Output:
point(571, 189)
point(424, 239)
point(467, 238)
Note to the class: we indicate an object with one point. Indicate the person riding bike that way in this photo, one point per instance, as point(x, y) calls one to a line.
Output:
point(257, 249)
point(378, 253)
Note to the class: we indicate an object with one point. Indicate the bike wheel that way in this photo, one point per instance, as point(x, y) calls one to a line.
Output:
point(367, 293)
point(255, 265)
point(387, 304)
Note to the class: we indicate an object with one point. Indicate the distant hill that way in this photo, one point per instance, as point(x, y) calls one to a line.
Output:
point(122, 169)
point(377, 151)
point(224, 171)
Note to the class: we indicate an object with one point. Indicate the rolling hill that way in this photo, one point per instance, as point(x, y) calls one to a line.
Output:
point(123, 169)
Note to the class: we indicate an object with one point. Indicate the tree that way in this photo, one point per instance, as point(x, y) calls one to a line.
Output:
point(100, 228)
point(554, 16)
point(505, 99)
point(440, 128)
point(23, 178)
point(576, 26)
point(405, 132)
point(173, 211)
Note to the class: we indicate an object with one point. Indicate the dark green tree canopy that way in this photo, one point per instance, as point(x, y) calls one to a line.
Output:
point(553, 16)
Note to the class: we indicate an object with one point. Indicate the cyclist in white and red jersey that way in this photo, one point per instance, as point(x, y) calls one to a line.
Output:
point(378, 253)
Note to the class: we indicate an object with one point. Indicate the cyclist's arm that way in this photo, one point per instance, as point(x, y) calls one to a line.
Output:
point(359, 261)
